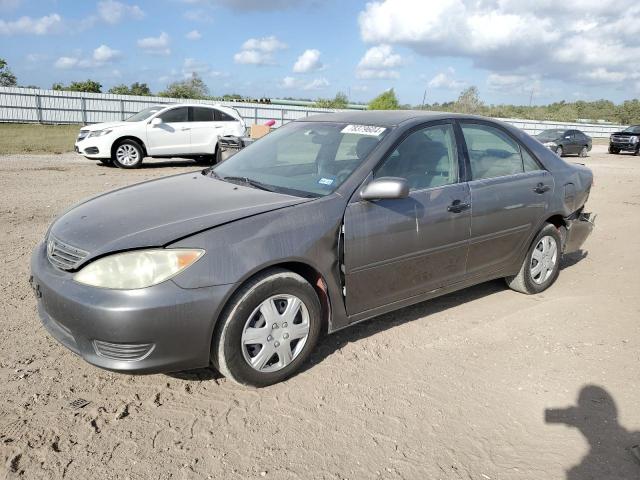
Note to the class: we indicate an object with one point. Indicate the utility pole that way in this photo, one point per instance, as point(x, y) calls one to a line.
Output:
point(424, 97)
point(531, 98)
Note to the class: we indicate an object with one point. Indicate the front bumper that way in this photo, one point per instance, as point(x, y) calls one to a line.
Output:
point(162, 328)
point(94, 147)
point(578, 230)
point(624, 146)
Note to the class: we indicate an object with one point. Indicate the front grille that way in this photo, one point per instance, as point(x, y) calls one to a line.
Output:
point(620, 139)
point(83, 134)
point(63, 256)
point(127, 352)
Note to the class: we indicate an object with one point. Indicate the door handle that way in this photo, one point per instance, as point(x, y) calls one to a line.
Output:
point(457, 206)
point(541, 188)
point(185, 128)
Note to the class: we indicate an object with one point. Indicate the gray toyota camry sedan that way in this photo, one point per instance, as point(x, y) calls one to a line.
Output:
point(324, 223)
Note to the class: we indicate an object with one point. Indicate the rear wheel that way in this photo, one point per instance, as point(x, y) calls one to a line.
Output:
point(268, 330)
point(559, 150)
point(541, 265)
point(583, 152)
point(127, 154)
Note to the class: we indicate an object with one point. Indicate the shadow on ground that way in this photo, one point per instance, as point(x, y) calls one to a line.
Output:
point(613, 451)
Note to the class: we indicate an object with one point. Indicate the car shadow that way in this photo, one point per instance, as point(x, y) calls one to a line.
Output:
point(614, 451)
point(159, 163)
point(570, 259)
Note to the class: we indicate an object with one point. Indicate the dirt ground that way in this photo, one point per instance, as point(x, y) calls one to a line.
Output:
point(454, 388)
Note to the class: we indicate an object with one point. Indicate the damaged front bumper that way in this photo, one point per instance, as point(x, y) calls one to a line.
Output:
point(579, 227)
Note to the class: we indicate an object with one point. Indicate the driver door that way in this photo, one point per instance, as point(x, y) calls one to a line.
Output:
point(398, 248)
point(172, 136)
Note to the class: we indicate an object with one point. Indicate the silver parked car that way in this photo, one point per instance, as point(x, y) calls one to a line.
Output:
point(321, 224)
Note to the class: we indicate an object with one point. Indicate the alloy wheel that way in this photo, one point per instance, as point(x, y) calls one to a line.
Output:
point(127, 154)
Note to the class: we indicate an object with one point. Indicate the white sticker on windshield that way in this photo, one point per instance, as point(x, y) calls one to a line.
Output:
point(364, 130)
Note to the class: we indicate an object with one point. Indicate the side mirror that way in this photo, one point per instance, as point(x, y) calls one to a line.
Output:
point(156, 121)
point(385, 188)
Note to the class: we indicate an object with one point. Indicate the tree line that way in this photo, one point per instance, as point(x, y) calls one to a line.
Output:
point(627, 112)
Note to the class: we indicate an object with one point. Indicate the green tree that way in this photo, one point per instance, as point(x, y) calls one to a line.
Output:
point(136, 88)
point(7, 78)
point(90, 86)
point(385, 101)
point(469, 101)
point(340, 101)
point(193, 87)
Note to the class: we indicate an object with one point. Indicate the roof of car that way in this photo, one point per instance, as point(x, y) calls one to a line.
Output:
point(383, 118)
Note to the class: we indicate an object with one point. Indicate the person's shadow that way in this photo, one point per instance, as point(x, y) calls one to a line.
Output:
point(613, 451)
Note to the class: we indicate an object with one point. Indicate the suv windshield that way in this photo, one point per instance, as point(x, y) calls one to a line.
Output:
point(144, 114)
point(550, 134)
point(308, 159)
point(632, 129)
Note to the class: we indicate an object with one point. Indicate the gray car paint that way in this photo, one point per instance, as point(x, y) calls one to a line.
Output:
point(393, 253)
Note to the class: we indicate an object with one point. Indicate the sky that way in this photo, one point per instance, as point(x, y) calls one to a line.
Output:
point(514, 51)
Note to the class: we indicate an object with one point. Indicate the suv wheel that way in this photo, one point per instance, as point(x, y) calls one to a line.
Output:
point(127, 154)
point(268, 330)
point(613, 150)
point(541, 265)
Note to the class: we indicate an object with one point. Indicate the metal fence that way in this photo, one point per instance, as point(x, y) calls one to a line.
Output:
point(25, 105)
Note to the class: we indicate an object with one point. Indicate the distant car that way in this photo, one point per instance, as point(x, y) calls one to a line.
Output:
point(326, 222)
point(565, 142)
point(628, 140)
point(178, 130)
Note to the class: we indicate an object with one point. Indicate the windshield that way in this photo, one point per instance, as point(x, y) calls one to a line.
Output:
point(550, 134)
point(309, 159)
point(632, 129)
point(146, 113)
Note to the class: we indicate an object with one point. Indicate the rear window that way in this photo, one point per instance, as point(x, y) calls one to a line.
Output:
point(202, 114)
point(224, 117)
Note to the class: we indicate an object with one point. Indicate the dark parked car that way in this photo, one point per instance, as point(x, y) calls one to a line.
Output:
point(565, 142)
point(628, 140)
point(324, 223)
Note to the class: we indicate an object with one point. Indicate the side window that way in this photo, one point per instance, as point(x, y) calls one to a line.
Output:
point(175, 115)
point(492, 153)
point(530, 164)
point(203, 114)
point(427, 158)
point(224, 117)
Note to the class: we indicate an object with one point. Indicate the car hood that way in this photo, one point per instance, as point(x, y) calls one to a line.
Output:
point(626, 134)
point(102, 126)
point(158, 212)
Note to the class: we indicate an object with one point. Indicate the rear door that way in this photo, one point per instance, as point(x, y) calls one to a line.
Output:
point(510, 194)
point(204, 130)
point(396, 249)
point(172, 136)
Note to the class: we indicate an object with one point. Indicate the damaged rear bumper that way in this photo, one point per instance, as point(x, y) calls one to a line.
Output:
point(579, 227)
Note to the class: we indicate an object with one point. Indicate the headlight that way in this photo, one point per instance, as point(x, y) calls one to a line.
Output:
point(137, 269)
point(550, 144)
point(633, 139)
point(100, 133)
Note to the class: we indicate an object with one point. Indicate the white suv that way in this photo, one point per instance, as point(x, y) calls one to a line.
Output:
point(178, 130)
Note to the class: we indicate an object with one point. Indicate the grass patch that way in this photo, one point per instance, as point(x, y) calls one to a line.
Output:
point(34, 138)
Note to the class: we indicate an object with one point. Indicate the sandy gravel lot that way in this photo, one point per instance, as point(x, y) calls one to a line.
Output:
point(455, 388)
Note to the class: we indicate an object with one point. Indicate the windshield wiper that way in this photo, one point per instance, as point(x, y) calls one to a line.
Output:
point(250, 182)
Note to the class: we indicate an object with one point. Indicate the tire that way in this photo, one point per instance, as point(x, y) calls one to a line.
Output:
point(528, 280)
point(637, 152)
point(559, 150)
point(276, 355)
point(615, 151)
point(127, 154)
point(583, 152)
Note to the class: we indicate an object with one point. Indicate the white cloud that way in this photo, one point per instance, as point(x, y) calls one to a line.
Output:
point(104, 54)
point(193, 35)
point(65, 63)
point(301, 84)
point(156, 45)
point(513, 83)
point(309, 61)
point(112, 11)
point(515, 36)
point(379, 62)
point(32, 26)
point(259, 51)
point(191, 65)
point(446, 80)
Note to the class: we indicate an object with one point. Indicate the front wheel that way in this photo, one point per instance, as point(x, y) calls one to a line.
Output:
point(268, 330)
point(127, 154)
point(613, 150)
point(541, 265)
